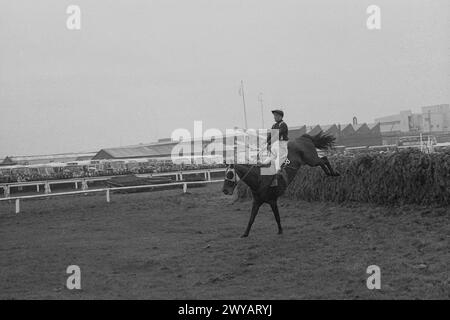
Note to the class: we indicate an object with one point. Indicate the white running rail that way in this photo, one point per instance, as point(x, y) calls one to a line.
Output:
point(107, 190)
point(83, 182)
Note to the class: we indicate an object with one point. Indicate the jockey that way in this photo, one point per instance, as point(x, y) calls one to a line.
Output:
point(280, 125)
point(278, 147)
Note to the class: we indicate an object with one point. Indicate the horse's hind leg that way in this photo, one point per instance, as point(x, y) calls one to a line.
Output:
point(311, 158)
point(274, 207)
point(255, 208)
point(328, 165)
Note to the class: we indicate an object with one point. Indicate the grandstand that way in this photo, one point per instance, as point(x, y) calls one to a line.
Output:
point(154, 150)
point(41, 159)
point(140, 151)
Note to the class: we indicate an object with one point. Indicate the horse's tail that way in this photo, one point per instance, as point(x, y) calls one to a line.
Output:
point(322, 141)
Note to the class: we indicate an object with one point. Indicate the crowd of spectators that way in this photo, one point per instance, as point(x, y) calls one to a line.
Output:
point(29, 173)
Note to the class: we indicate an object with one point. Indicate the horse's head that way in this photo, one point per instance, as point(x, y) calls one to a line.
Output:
point(230, 181)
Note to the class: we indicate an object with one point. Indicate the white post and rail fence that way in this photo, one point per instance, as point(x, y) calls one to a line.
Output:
point(84, 181)
point(185, 185)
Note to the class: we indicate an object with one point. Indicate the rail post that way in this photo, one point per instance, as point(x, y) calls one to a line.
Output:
point(184, 187)
point(108, 198)
point(17, 206)
point(37, 187)
point(6, 191)
point(47, 188)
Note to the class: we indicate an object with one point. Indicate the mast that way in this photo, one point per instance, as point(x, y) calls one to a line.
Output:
point(241, 91)
point(262, 109)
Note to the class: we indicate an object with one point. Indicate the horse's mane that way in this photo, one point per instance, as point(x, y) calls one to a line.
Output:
point(307, 136)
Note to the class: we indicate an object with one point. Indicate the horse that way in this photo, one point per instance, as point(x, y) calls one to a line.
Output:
point(301, 151)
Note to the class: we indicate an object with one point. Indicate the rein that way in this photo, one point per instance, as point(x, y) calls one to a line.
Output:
point(285, 165)
point(246, 174)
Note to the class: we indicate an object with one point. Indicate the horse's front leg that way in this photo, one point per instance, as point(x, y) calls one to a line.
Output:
point(274, 207)
point(255, 209)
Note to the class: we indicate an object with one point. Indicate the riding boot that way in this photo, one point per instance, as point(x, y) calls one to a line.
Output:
point(284, 175)
point(274, 181)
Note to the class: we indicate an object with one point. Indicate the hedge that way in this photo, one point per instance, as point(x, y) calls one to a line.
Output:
point(404, 177)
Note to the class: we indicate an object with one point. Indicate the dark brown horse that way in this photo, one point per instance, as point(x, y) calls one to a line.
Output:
point(301, 151)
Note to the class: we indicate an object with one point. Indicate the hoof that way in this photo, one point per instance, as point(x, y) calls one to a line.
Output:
point(244, 235)
point(280, 231)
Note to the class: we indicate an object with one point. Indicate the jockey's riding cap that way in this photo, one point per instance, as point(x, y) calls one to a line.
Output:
point(280, 112)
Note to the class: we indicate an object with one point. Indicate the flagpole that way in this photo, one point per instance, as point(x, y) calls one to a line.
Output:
point(262, 109)
point(243, 101)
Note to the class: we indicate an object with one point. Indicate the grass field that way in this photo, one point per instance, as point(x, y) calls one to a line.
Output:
point(167, 244)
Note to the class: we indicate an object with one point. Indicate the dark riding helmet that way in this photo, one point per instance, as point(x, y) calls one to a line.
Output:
point(277, 111)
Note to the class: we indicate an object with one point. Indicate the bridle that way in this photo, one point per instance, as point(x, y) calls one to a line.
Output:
point(234, 179)
point(286, 164)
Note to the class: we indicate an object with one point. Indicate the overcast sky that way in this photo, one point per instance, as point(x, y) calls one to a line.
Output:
point(137, 70)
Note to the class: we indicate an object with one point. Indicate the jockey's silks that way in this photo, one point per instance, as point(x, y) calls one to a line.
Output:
point(283, 130)
point(278, 155)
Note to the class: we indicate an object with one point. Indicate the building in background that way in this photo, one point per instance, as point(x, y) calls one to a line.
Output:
point(43, 159)
point(161, 149)
point(405, 121)
point(432, 120)
point(349, 135)
point(154, 150)
point(436, 118)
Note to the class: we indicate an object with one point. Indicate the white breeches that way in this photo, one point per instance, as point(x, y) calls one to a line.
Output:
point(276, 158)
